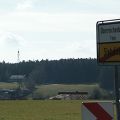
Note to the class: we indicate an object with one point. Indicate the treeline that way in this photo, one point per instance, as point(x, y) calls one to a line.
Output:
point(67, 71)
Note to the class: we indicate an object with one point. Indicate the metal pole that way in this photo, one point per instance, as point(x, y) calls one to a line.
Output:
point(117, 93)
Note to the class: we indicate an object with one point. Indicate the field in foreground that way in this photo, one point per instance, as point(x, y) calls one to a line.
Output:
point(40, 110)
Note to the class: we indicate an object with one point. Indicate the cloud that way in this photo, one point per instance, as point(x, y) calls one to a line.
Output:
point(9, 45)
point(25, 5)
point(55, 6)
point(56, 21)
point(81, 48)
point(44, 22)
point(31, 25)
point(10, 40)
point(94, 6)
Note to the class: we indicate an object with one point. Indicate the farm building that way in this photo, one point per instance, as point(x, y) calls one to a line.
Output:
point(71, 96)
point(16, 78)
point(7, 94)
point(19, 79)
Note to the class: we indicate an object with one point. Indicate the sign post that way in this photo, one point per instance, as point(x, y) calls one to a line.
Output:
point(117, 92)
point(108, 50)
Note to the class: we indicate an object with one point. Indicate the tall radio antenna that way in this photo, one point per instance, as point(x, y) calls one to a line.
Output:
point(18, 57)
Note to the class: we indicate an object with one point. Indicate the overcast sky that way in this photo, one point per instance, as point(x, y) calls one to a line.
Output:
point(52, 29)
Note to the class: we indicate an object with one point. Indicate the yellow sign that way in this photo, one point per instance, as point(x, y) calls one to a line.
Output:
point(109, 52)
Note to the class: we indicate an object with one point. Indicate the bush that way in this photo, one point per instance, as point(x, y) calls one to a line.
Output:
point(100, 93)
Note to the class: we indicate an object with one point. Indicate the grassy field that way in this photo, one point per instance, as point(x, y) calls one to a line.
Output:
point(44, 109)
point(4, 85)
point(40, 110)
point(49, 90)
point(53, 89)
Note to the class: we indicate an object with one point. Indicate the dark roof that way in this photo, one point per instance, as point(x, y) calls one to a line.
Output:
point(75, 93)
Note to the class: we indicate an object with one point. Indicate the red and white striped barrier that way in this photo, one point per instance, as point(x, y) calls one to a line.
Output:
point(97, 111)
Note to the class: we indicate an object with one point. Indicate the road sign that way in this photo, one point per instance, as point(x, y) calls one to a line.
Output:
point(109, 52)
point(97, 111)
point(108, 42)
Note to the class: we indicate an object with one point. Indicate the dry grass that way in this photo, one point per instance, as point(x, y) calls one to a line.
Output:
point(53, 89)
point(40, 110)
point(4, 85)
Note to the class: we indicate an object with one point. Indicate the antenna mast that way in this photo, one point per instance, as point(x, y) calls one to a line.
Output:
point(19, 80)
point(18, 57)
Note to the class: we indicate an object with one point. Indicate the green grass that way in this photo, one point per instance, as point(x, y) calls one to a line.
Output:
point(46, 91)
point(53, 89)
point(4, 85)
point(40, 110)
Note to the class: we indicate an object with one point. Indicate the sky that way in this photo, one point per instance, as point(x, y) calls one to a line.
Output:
point(52, 29)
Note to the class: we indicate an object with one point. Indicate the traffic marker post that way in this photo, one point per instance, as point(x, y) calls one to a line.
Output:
point(97, 111)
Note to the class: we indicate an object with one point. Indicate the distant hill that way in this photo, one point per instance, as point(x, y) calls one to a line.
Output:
point(63, 71)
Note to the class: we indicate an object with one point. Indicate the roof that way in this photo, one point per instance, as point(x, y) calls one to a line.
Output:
point(16, 77)
point(74, 93)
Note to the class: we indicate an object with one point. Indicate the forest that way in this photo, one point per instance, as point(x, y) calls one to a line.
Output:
point(63, 71)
